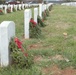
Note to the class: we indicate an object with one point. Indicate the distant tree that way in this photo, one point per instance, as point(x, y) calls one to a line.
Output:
point(2, 1)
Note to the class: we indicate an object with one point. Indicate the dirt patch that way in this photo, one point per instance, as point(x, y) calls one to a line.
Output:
point(69, 71)
point(62, 25)
point(54, 70)
point(59, 57)
point(38, 58)
point(74, 37)
point(56, 57)
point(38, 46)
point(34, 46)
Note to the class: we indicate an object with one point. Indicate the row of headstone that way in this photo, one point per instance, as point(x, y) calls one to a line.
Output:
point(69, 4)
point(16, 7)
point(27, 13)
point(7, 31)
point(43, 7)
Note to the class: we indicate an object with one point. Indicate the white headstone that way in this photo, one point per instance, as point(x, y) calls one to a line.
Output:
point(7, 30)
point(40, 10)
point(15, 7)
point(27, 18)
point(26, 5)
point(19, 6)
point(11, 8)
point(1, 6)
point(35, 14)
point(30, 13)
point(47, 6)
point(5, 8)
point(23, 6)
point(43, 8)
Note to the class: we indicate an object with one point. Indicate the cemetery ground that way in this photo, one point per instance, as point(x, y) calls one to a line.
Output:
point(55, 51)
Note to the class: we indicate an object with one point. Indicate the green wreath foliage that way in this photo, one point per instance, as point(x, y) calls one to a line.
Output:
point(50, 7)
point(44, 15)
point(18, 59)
point(1, 12)
point(47, 12)
point(40, 22)
point(35, 31)
point(14, 10)
point(8, 10)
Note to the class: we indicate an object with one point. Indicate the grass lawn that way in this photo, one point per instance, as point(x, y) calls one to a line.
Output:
point(55, 52)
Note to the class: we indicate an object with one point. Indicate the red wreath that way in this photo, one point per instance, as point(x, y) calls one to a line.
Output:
point(19, 45)
point(33, 22)
point(0, 10)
